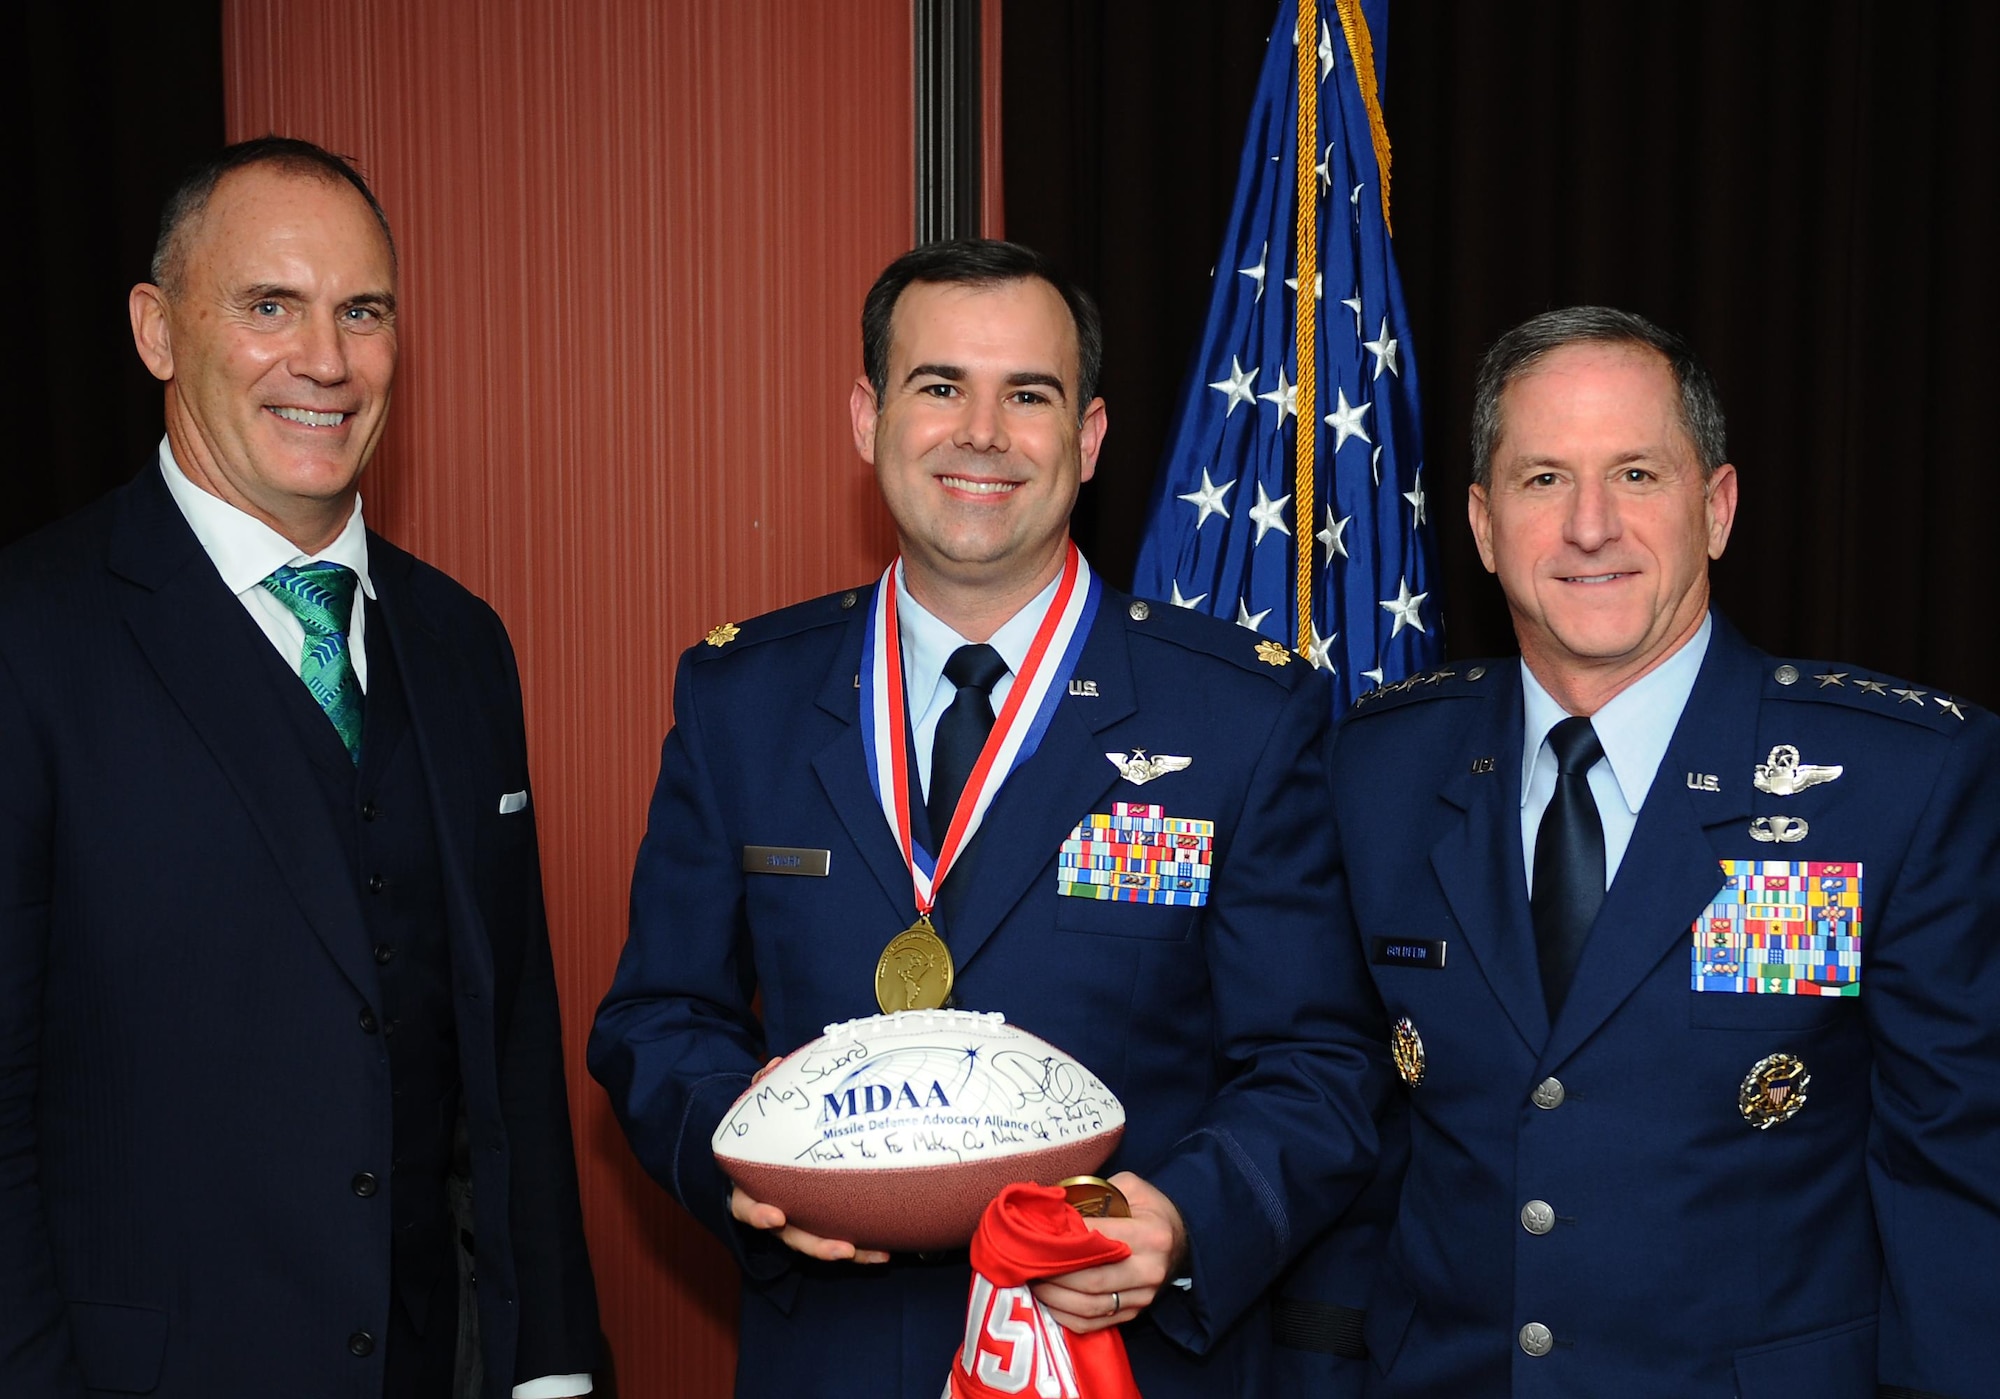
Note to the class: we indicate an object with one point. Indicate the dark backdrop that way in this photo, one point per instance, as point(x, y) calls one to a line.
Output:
point(102, 116)
point(1806, 190)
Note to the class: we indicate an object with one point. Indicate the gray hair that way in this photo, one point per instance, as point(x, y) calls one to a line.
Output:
point(1518, 351)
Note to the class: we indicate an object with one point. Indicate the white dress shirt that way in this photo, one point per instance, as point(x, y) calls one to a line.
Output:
point(1634, 728)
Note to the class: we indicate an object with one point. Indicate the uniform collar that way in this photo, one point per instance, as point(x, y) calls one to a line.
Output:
point(928, 642)
point(1635, 726)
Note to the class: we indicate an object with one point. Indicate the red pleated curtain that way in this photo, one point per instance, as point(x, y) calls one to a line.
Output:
point(635, 235)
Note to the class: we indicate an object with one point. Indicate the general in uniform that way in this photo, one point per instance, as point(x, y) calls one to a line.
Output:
point(1689, 953)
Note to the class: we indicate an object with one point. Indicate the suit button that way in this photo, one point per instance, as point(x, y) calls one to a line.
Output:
point(376, 883)
point(361, 1344)
point(1537, 1339)
point(370, 811)
point(385, 954)
point(363, 1184)
point(367, 1021)
point(1548, 1093)
point(1537, 1217)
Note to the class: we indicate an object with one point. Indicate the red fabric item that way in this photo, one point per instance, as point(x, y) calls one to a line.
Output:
point(1012, 1345)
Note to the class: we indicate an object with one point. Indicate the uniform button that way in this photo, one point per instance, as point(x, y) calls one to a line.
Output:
point(361, 1344)
point(367, 1021)
point(1537, 1339)
point(1786, 675)
point(1537, 1217)
point(1478, 672)
point(369, 811)
point(1548, 1093)
point(385, 954)
point(376, 883)
point(848, 599)
point(1139, 611)
point(363, 1185)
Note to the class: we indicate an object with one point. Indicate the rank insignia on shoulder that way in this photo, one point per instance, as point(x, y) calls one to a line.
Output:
point(1783, 775)
point(1137, 854)
point(723, 634)
point(1781, 928)
point(1272, 654)
point(1773, 1091)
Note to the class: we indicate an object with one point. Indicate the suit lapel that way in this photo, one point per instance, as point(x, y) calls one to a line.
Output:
point(1042, 800)
point(1670, 869)
point(1494, 924)
point(842, 768)
point(201, 644)
point(449, 728)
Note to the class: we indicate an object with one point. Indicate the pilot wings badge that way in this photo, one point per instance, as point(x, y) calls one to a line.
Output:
point(1782, 774)
point(1139, 769)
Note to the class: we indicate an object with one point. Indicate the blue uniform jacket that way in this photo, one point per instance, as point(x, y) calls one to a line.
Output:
point(1598, 1177)
point(1220, 1027)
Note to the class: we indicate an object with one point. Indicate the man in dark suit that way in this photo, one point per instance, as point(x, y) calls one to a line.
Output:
point(268, 947)
point(1213, 1012)
point(1690, 953)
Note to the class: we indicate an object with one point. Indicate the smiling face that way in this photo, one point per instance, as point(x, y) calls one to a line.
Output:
point(1597, 519)
point(278, 348)
point(978, 445)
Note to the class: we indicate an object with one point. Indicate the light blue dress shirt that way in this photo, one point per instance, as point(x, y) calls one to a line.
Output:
point(1634, 727)
point(928, 644)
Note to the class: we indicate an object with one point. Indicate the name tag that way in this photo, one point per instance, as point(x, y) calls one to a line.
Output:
point(785, 859)
point(1427, 954)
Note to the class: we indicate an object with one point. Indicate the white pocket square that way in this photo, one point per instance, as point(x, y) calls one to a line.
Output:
point(511, 802)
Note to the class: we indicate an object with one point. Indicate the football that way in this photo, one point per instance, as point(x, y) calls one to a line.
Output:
point(895, 1131)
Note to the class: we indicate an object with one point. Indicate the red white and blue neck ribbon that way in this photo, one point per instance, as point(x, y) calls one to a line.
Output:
point(1017, 731)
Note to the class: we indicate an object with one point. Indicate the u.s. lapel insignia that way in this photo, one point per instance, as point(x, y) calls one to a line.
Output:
point(1139, 769)
point(1705, 782)
point(1783, 775)
point(1774, 1091)
point(1482, 766)
point(722, 635)
point(1271, 653)
point(1779, 830)
point(1406, 1047)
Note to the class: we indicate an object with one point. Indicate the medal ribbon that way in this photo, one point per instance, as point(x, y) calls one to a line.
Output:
point(1017, 731)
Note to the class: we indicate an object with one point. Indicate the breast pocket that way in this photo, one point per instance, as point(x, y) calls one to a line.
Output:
point(1732, 1010)
point(1121, 919)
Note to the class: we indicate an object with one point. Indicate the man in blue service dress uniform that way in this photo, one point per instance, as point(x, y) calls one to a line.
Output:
point(264, 944)
point(772, 864)
point(1691, 954)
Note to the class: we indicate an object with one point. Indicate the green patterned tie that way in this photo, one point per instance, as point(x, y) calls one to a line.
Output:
point(321, 596)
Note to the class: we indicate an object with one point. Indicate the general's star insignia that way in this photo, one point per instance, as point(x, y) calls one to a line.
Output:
point(1831, 677)
point(1138, 769)
point(1950, 706)
point(1271, 653)
point(1873, 687)
point(722, 635)
point(1911, 696)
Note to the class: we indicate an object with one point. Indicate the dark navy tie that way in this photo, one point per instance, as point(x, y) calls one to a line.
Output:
point(961, 731)
point(1569, 860)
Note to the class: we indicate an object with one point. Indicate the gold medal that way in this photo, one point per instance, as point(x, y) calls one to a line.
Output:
point(1094, 1197)
point(915, 971)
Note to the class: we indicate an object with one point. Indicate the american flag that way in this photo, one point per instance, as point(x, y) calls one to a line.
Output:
point(1230, 513)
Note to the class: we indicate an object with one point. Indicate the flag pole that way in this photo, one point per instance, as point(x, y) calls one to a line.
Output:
point(1306, 424)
